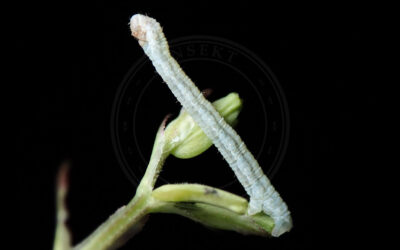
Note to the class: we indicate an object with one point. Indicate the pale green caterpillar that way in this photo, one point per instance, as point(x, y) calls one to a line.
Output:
point(263, 196)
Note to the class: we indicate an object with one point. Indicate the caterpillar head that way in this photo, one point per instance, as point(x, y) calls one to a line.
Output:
point(144, 28)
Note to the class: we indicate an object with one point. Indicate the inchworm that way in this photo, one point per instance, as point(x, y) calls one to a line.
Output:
point(263, 196)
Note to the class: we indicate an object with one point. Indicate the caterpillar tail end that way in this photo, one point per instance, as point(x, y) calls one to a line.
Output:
point(282, 225)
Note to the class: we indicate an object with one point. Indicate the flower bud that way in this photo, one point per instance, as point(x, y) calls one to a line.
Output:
point(186, 139)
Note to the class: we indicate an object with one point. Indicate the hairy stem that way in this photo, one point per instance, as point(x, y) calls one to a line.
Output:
point(114, 230)
point(110, 234)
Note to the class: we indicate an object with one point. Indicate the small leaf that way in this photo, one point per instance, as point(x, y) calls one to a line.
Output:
point(201, 193)
point(211, 207)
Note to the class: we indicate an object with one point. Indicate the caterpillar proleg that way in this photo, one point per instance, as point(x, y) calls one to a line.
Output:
point(263, 196)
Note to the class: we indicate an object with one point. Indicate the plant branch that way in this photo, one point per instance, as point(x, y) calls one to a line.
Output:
point(110, 234)
point(207, 205)
point(211, 207)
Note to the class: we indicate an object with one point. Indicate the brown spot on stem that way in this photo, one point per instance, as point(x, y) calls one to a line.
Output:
point(208, 191)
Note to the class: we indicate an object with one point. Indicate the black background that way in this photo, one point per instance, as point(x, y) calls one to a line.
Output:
point(72, 57)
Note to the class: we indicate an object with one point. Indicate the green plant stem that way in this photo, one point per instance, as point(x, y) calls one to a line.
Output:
point(111, 232)
point(158, 156)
